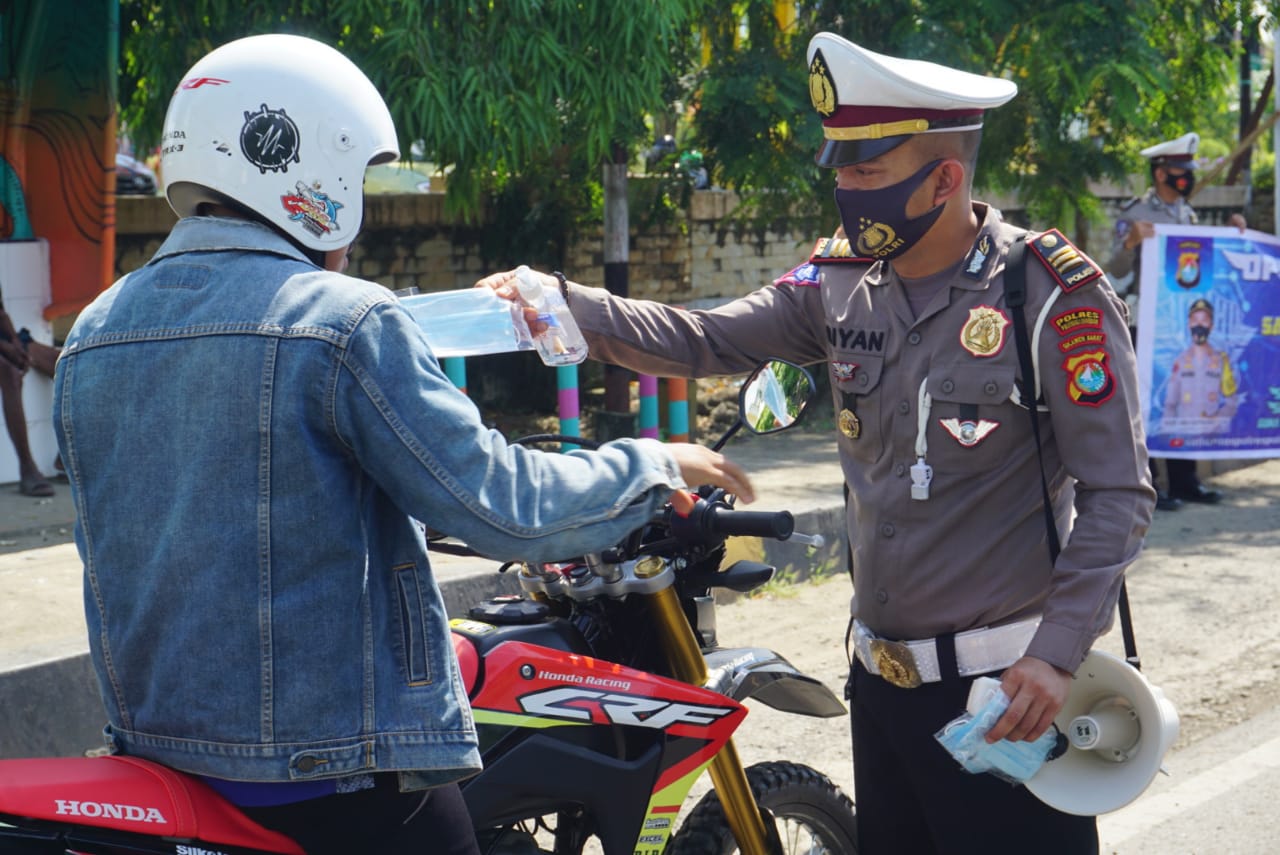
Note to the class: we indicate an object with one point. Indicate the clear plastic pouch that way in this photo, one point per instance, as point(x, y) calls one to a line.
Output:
point(469, 322)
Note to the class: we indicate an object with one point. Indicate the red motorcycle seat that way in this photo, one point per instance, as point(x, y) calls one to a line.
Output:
point(129, 794)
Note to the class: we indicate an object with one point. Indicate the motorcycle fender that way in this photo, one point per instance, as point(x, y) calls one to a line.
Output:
point(756, 672)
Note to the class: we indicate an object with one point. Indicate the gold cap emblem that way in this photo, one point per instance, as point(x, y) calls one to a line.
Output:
point(822, 86)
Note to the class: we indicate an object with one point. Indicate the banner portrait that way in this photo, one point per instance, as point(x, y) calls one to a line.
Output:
point(1209, 342)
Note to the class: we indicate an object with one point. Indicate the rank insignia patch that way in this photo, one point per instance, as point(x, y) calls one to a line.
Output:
point(969, 433)
point(1089, 380)
point(836, 250)
point(1069, 267)
point(983, 333)
point(976, 261)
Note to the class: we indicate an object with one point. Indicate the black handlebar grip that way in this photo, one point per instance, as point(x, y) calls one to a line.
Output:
point(773, 524)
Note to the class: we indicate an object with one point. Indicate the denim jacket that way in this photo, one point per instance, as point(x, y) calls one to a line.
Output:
point(251, 442)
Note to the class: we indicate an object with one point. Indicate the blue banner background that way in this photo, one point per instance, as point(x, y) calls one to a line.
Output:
point(1223, 401)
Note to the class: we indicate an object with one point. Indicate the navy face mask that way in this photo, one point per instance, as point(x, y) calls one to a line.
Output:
point(1200, 333)
point(876, 221)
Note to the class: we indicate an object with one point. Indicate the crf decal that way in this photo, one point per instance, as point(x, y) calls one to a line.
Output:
point(197, 82)
point(577, 704)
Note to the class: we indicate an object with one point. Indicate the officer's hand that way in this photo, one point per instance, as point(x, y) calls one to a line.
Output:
point(700, 465)
point(504, 285)
point(1142, 229)
point(1238, 221)
point(1036, 692)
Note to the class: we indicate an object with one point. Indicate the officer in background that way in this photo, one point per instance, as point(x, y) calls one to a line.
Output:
point(952, 577)
point(1173, 178)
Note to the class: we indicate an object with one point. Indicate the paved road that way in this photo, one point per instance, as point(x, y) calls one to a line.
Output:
point(1205, 597)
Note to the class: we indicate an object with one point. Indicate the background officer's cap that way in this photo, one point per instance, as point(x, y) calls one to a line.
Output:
point(1201, 305)
point(1179, 153)
point(871, 103)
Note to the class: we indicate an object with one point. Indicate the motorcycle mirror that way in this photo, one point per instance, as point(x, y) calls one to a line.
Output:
point(772, 399)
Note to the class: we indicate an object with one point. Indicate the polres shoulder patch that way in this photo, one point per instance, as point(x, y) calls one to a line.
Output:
point(1070, 267)
point(836, 250)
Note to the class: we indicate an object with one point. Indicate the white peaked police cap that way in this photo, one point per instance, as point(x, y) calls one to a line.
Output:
point(871, 103)
point(1178, 153)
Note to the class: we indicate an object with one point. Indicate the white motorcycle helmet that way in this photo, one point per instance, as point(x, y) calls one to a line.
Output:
point(282, 126)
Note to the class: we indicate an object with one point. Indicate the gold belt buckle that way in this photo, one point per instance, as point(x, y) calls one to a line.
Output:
point(896, 663)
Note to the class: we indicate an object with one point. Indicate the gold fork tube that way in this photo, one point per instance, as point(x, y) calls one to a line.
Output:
point(727, 774)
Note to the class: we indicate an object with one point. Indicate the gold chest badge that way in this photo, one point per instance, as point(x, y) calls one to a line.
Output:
point(983, 333)
point(850, 426)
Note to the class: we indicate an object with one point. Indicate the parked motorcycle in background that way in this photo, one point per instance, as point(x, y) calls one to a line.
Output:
point(601, 695)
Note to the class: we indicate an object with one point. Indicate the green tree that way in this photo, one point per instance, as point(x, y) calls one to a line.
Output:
point(1098, 80)
point(536, 106)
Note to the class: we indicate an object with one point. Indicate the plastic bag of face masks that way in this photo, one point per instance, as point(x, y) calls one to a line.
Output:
point(964, 738)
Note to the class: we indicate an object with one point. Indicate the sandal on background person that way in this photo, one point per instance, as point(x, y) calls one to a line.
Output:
point(36, 486)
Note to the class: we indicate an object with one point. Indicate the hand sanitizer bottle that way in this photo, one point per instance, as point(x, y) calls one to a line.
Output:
point(561, 343)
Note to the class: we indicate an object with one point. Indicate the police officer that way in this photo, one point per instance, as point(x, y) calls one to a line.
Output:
point(1202, 391)
point(1173, 178)
point(952, 578)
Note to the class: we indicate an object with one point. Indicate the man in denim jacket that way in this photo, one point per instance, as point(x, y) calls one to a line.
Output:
point(251, 439)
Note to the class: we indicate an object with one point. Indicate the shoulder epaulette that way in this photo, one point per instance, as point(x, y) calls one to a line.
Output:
point(1130, 202)
point(1068, 265)
point(836, 250)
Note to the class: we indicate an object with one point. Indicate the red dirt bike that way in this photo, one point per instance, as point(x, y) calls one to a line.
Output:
point(600, 696)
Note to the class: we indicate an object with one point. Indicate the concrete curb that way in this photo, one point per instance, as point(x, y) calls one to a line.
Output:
point(52, 707)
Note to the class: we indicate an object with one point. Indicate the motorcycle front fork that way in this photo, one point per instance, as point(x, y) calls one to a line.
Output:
point(754, 836)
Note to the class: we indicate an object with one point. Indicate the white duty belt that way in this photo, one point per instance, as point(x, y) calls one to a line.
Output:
point(908, 664)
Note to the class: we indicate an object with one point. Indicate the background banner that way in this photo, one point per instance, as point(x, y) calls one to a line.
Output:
point(1209, 342)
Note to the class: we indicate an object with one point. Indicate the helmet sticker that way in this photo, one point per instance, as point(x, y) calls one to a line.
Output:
point(315, 211)
point(269, 139)
point(197, 82)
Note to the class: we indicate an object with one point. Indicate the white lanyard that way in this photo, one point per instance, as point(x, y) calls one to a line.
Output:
point(921, 472)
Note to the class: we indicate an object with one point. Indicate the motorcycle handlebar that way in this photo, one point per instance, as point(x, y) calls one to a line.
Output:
point(709, 519)
point(773, 524)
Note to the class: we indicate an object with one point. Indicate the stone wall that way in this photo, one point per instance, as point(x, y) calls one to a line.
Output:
point(408, 241)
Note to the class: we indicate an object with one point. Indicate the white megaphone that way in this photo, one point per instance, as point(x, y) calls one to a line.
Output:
point(1118, 728)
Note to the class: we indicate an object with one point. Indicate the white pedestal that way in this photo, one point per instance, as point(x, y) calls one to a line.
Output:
point(24, 284)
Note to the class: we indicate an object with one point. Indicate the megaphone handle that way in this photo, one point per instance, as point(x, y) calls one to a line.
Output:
point(1126, 629)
